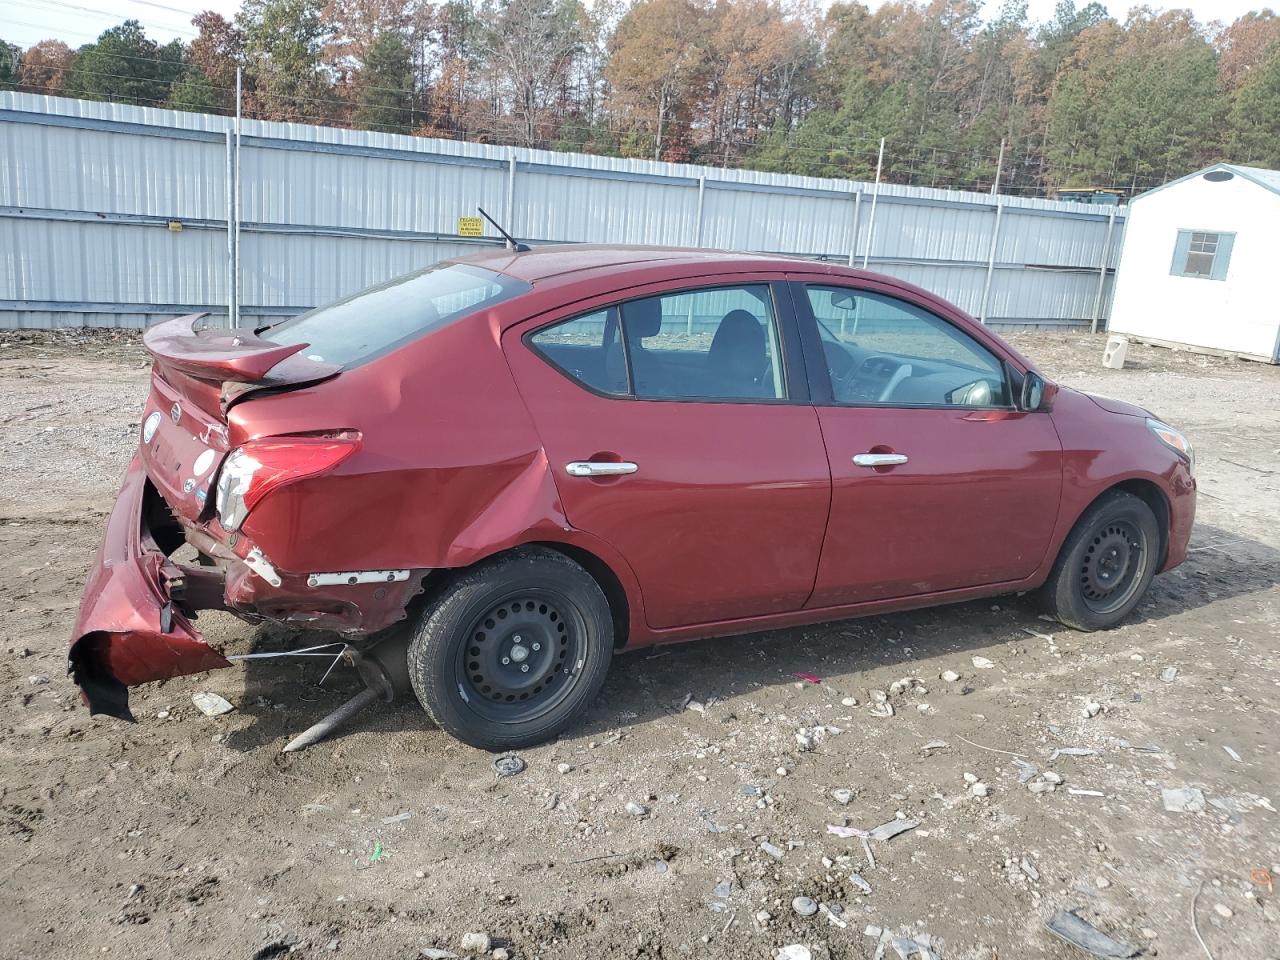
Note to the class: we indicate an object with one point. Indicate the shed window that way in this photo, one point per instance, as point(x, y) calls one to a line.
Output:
point(1200, 253)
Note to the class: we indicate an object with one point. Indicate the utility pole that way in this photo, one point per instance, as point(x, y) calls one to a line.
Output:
point(995, 186)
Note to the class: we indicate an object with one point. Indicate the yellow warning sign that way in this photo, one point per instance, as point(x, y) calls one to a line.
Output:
point(470, 227)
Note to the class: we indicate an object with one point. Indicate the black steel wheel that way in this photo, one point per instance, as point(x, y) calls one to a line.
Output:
point(1106, 563)
point(522, 656)
point(512, 650)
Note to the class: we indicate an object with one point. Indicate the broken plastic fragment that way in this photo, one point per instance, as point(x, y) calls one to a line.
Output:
point(1184, 800)
point(1084, 936)
point(887, 831)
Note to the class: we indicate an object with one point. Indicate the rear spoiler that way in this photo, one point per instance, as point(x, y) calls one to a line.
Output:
point(239, 360)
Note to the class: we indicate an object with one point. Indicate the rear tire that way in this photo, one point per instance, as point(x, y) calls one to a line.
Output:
point(1106, 564)
point(513, 650)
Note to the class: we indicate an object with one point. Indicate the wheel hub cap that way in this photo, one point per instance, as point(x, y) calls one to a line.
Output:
point(1112, 563)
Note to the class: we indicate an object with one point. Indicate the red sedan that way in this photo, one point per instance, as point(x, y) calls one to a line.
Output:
point(536, 459)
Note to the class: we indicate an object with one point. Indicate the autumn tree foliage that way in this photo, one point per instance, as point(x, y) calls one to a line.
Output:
point(1084, 98)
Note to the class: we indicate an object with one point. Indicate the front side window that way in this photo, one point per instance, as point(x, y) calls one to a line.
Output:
point(884, 351)
point(376, 321)
point(717, 343)
point(1203, 254)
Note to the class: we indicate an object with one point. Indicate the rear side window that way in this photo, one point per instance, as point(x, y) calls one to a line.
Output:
point(376, 321)
point(588, 349)
point(718, 343)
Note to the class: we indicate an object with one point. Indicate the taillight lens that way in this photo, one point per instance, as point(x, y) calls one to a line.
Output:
point(252, 471)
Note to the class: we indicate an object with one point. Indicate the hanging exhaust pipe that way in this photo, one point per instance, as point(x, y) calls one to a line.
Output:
point(384, 668)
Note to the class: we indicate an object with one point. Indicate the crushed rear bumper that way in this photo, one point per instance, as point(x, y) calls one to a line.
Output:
point(129, 629)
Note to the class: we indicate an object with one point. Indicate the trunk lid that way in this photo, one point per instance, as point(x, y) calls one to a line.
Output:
point(196, 376)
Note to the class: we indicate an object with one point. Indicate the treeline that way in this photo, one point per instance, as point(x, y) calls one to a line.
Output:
point(1085, 99)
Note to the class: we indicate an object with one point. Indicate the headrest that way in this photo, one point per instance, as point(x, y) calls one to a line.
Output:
point(739, 329)
point(642, 318)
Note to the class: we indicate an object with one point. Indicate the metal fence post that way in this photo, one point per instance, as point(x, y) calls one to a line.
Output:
point(235, 322)
point(1102, 272)
point(509, 219)
point(231, 228)
point(871, 220)
point(702, 196)
point(991, 263)
point(857, 222)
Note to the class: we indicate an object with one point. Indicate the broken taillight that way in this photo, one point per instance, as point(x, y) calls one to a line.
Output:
point(253, 470)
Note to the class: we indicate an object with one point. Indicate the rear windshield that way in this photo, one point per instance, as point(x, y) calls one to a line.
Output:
point(376, 321)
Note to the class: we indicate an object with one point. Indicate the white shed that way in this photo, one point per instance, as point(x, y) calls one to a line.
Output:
point(1200, 265)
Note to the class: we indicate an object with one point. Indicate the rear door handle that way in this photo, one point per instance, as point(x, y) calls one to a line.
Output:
point(599, 468)
point(879, 459)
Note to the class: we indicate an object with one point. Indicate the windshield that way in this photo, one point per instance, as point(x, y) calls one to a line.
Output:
point(376, 321)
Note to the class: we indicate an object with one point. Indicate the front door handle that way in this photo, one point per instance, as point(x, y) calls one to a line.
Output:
point(879, 459)
point(599, 468)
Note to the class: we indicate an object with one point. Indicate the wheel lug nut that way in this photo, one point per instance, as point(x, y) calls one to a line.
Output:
point(537, 646)
point(525, 668)
point(506, 661)
point(516, 638)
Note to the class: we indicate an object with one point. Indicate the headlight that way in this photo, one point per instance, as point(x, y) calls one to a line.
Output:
point(233, 483)
point(1174, 439)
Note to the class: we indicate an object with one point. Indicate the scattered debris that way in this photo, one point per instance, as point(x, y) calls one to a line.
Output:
point(1183, 800)
point(858, 881)
point(1169, 674)
point(722, 890)
point(563, 768)
point(435, 953)
point(378, 852)
point(833, 912)
point(476, 942)
point(774, 851)
point(1025, 770)
point(1091, 709)
point(882, 710)
point(982, 663)
point(508, 766)
point(1042, 786)
point(846, 833)
point(1084, 936)
point(804, 906)
point(979, 789)
point(1053, 777)
point(950, 676)
point(935, 745)
point(398, 818)
point(807, 677)
point(38, 680)
point(210, 704)
point(871, 857)
point(793, 951)
point(887, 831)
point(1072, 752)
point(842, 795)
point(1084, 793)
point(849, 701)
point(1029, 869)
point(1261, 877)
point(1232, 754)
point(636, 809)
point(1222, 910)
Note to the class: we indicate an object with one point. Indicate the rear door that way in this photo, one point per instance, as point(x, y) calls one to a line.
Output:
point(678, 429)
point(938, 482)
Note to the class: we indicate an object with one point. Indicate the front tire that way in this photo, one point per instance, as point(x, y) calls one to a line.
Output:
point(1106, 564)
point(513, 650)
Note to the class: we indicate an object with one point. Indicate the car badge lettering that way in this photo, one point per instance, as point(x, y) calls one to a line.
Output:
point(175, 412)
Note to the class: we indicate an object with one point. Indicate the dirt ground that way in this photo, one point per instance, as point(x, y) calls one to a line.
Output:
point(191, 836)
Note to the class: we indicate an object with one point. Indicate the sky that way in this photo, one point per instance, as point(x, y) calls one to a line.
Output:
point(77, 22)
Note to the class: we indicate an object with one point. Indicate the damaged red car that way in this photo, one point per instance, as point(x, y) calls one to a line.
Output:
point(530, 460)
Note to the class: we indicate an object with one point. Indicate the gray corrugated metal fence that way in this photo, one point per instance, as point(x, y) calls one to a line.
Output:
point(115, 215)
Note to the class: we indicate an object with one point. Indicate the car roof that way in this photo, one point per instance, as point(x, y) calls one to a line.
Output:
point(558, 259)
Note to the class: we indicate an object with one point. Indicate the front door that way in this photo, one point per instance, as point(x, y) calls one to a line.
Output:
point(679, 431)
point(938, 482)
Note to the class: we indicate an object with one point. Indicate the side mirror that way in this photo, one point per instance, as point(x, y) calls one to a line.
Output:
point(1037, 393)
